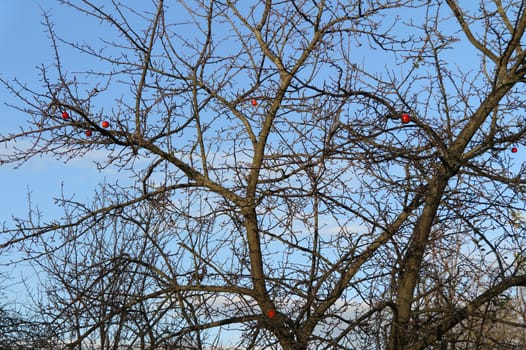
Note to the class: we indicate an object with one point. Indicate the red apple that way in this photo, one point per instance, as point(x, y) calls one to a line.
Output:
point(65, 115)
point(88, 133)
point(254, 102)
point(514, 150)
point(406, 118)
point(271, 313)
point(105, 124)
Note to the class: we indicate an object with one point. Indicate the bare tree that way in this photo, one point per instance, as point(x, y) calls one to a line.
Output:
point(20, 331)
point(312, 174)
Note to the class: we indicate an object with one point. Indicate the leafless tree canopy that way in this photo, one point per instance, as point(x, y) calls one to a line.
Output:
point(305, 175)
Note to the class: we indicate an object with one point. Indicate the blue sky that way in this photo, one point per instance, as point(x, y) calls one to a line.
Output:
point(26, 45)
point(23, 43)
